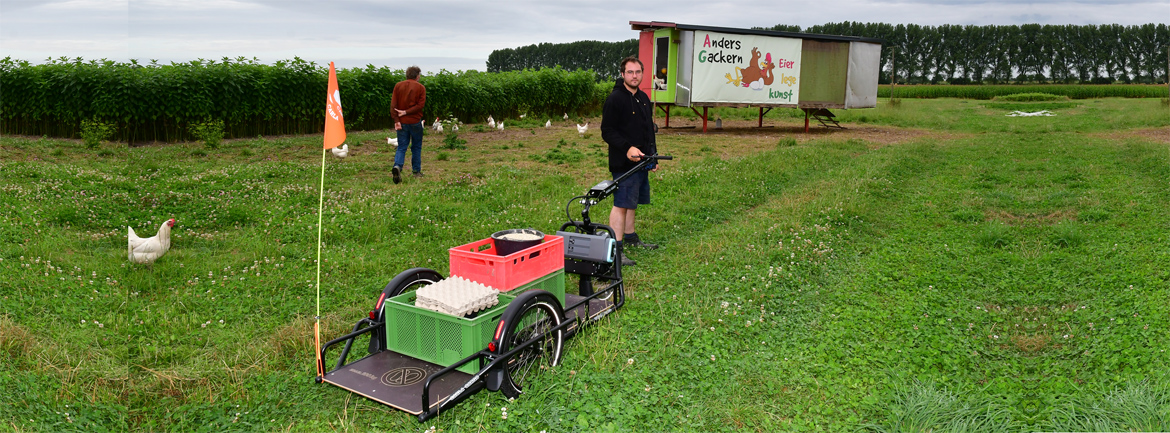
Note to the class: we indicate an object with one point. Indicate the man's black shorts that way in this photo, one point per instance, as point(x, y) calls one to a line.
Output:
point(633, 191)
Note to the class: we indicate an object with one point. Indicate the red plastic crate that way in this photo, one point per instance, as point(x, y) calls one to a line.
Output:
point(478, 262)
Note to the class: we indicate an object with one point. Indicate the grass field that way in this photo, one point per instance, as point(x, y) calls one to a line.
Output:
point(936, 267)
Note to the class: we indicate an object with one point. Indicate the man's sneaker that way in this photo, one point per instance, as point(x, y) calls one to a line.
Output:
point(638, 243)
point(397, 174)
point(418, 174)
point(627, 261)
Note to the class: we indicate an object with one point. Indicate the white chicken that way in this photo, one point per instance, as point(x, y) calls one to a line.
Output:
point(439, 127)
point(1024, 114)
point(582, 128)
point(566, 117)
point(500, 126)
point(150, 249)
point(341, 152)
point(548, 123)
point(393, 141)
point(491, 122)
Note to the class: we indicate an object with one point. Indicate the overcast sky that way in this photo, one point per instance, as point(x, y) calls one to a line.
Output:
point(457, 34)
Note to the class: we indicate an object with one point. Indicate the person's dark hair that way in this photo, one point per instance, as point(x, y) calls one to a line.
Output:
point(412, 73)
point(629, 59)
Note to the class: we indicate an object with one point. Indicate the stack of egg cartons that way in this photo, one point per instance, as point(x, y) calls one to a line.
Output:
point(456, 296)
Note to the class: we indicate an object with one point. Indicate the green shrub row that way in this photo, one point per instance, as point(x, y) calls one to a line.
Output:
point(157, 102)
point(1073, 91)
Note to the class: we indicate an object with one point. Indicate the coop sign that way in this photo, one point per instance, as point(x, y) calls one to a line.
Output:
point(749, 69)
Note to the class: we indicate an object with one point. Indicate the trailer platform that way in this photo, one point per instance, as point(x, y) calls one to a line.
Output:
point(396, 380)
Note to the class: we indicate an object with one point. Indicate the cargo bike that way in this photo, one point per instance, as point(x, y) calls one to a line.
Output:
point(424, 362)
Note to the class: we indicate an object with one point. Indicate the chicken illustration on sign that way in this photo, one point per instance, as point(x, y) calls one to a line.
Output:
point(757, 75)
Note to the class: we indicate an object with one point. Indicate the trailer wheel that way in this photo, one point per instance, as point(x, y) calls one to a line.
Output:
point(406, 281)
point(530, 316)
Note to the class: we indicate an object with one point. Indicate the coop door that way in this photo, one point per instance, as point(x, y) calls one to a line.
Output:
point(661, 70)
point(661, 62)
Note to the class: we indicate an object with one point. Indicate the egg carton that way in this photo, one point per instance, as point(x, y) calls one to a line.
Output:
point(456, 296)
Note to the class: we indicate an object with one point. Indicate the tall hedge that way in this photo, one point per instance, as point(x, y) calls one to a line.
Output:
point(157, 102)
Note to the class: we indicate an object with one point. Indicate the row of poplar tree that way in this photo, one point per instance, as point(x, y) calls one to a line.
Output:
point(957, 54)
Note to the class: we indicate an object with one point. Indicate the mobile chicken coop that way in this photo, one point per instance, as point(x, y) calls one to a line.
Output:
point(702, 66)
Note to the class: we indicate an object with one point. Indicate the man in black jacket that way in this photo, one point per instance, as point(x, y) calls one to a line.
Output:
point(627, 125)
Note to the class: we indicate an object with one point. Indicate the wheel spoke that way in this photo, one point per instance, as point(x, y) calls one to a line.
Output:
point(534, 323)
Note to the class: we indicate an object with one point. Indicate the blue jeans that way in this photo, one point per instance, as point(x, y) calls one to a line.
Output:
point(410, 135)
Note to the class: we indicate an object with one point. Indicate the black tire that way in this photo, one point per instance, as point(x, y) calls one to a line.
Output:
point(531, 315)
point(406, 281)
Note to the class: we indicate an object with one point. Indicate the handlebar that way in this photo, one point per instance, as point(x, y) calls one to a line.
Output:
point(607, 187)
point(664, 157)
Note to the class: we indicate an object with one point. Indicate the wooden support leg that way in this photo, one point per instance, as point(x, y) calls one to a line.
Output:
point(806, 121)
point(666, 109)
point(761, 125)
point(704, 116)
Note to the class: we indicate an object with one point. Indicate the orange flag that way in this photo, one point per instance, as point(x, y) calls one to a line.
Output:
point(334, 121)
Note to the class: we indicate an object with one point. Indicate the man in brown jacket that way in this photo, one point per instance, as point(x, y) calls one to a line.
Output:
point(406, 109)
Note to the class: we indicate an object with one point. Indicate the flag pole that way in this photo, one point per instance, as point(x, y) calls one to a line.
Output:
point(317, 325)
point(334, 136)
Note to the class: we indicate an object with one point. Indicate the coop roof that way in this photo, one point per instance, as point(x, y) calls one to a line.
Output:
point(650, 25)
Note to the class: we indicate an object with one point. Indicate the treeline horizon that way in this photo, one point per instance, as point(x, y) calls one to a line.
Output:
point(598, 56)
point(958, 54)
point(954, 54)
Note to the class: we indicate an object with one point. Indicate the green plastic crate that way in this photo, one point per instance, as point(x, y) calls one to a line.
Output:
point(553, 283)
point(436, 337)
point(444, 339)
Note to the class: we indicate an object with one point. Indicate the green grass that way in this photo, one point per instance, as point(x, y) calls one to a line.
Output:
point(1074, 91)
point(1030, 106)
point(957, 115)
point(993, 274)
point(1030, 97)
point(960, 115)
